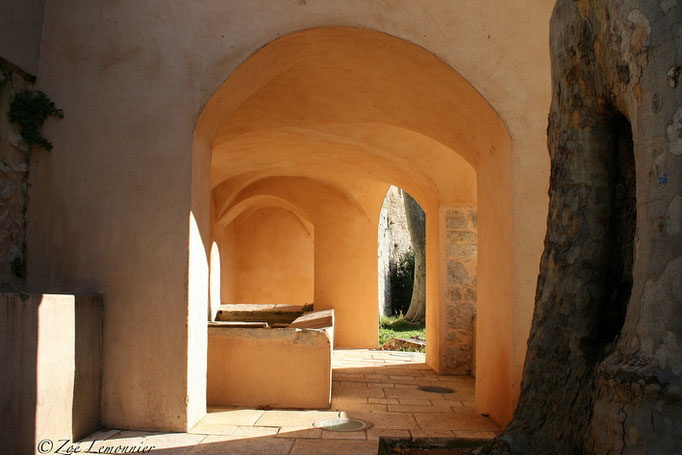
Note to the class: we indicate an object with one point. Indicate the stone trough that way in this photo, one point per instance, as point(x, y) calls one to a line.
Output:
point(266, 364)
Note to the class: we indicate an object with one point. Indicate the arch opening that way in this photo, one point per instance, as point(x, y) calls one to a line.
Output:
point(322, 120)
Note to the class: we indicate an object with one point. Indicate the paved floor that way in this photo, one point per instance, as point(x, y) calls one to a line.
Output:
point(379, 387)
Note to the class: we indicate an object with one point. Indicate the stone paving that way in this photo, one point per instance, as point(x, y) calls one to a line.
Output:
point(379, 387)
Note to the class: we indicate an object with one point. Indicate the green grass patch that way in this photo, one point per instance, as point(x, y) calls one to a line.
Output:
point(397, 327)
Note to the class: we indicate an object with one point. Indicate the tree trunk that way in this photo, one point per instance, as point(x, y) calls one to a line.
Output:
point(603, 371)
point(416, 223)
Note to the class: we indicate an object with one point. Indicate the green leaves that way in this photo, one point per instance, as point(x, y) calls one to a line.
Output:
point(30, 109)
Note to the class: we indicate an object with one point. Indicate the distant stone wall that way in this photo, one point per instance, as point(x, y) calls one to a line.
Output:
point(14, 164)
point(460, 309)
point(394, 242)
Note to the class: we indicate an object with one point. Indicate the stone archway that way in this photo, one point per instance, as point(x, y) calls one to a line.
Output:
point(354, 109)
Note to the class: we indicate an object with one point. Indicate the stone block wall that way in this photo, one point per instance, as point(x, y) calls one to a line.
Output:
point(460, 256)
point(14, 165)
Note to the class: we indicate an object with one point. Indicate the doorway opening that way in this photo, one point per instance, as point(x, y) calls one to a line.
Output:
point(402, 273)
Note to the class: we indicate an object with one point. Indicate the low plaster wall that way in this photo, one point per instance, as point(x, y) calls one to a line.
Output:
point(51, 353)
point(279, 368)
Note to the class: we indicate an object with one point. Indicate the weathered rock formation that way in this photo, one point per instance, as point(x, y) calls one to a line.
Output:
point(603, 372)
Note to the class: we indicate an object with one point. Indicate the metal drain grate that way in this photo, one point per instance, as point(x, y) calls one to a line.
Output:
point(342, 424)
point(435, 389)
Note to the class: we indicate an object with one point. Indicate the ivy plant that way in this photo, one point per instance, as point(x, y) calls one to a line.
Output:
point(30, 109)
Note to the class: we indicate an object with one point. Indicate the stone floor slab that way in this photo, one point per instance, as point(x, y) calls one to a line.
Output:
point(329, 447)
point(384, 401)
point(213, 428)
point(411, 392)
point(100, 436)
point(339, 404)
point(220, 445)
point(294, 418)
point(463, 409)
point(352, 435)
point(302, 432)
point(373, 434)
point(168, 443)
point(387, 420)
point(228, 416)
point(369, 385)
point(255, 432)
point(354, 389)
point(412, 401)
point(422, 409)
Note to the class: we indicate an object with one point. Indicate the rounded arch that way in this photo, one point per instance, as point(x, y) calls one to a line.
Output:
point(352, 75)
point(342, 91)
point(251, 204)
point(373, 151)
point(235, 191)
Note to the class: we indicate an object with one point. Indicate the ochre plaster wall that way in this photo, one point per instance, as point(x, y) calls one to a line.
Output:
point(274, 259)
point(112, 206)
point(225, 239)
point(344, 252)
point(342, 234)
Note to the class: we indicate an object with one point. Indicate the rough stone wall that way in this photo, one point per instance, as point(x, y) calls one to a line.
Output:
point(394, 242)
point(603, 372)
point(460, 310)
point(14, 165)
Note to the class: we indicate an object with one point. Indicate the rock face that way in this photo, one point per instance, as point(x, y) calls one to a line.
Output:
point(14, 165)
point(603, 370)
